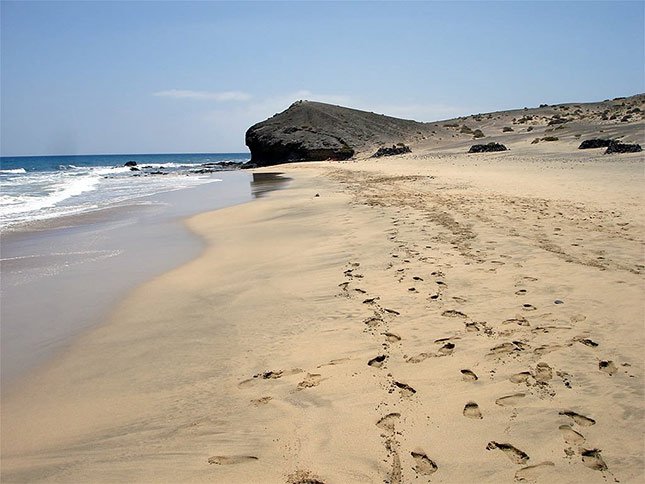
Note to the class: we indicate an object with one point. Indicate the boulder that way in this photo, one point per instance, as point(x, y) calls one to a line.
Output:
point(594, 143)
point(616, 147)
point(394, 150)
point(487, 148)
point(130, 163)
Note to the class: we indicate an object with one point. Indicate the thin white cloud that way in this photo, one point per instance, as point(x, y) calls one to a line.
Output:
point(221, 96)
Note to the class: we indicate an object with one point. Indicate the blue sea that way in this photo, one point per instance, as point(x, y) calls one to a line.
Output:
point(44, 187)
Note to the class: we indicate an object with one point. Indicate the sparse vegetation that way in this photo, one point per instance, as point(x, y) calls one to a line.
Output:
point(478, 133)
point(550, 138)
point(535, 141)
point(465, 130)
point(506, 129)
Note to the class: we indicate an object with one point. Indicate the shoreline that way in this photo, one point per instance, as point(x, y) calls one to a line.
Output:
point(61, 277)
point(325, 337)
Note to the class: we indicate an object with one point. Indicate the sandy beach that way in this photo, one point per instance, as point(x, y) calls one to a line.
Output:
point(430, 317)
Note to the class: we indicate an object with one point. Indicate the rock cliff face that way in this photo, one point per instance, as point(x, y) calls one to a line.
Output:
point(312, 131)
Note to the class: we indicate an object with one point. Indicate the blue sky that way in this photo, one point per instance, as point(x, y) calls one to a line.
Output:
point(154, 77)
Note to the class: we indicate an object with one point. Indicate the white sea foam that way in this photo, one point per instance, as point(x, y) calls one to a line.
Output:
point(14, 171)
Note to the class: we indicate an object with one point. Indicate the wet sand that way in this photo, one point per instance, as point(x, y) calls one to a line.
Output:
point(443, 318)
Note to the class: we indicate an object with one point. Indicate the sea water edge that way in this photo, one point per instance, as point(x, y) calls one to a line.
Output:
point(62, 275)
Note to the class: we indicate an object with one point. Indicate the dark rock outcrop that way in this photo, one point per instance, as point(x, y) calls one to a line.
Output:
point(487, 148)
point(615, 147)
point(130, 163)
point(394, 150)
point(313, 131)
point(594, 143)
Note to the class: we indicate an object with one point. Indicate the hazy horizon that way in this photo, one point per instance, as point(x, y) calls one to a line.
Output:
point(191, 77)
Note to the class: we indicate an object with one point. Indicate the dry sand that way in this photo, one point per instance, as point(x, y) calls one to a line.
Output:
point(447, 318)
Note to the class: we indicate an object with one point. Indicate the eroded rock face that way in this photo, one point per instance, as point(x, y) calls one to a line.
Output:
point(312, 131)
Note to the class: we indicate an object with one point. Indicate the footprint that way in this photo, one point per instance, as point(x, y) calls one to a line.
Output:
point(370, 300)
point(468, 375)
point(391, 337)
point(578, 418)
point(520, 292)
point(543, 373)
point(373, 321)
point(607, 366)
point(417, 278)
point(303, 477)
point(510, 400)
point(361, 291)
point(472, 327)
point(520, 377)
point(343, 285)
point(389, 421)
point(586, 342)
point(447, 349)
point(391, 311)
point(516, 455)
point(592, 459)
point(261, 401)
point(230, 459)
point(532, 472)
point(418, 358)
point(505, 348)
point(570, 436)
point(405, 389)
point(528, 307)
point(423, 464)
point(519, 320)
point(312, 380)
point(452, 313)
point(377, 361)
point(471, 410)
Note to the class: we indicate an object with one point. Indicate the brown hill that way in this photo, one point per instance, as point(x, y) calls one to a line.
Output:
point(310, 131)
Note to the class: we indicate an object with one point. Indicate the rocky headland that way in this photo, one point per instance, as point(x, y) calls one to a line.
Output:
point(314, 131)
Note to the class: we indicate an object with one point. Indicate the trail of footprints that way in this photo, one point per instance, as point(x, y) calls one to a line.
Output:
point(537, 379)
point(381, 325)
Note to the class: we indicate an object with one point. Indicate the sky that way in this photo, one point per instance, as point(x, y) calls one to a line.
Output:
point(190, 77)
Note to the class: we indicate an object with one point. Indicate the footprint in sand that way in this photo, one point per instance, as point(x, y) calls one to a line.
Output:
point(510, 400)
point(261, 401)
point(446, 349)
point(389, 421)
point(528, 307)
point(417, 278)
point(312, 380)
point(418, 358)
point(506, 348)
point(586, 342)
point(423, 464)
point(391, 337)
point(570, 436)
point(370, 300)
point(453, 313)
point(471, 410)
point(520, 377)
point(303, 477)
point(513, 453)
point(543, 373)
point(405, 389)
point(607, 366)
point(231, 459)
point(373, 321)
point(520, 292)
point(468, 375)
point(532, 472)
point(592, 459)
point(377, 361)
point(519, 320)
point(391, 311)
point(578, 418)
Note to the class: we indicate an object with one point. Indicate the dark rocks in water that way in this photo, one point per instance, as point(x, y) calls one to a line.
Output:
point(394, 150)
point(130, 163)
point(134, 168)
point(487, 148)
point(158, 172)
point(313, 131)
point(616, 147)
point(594, 143)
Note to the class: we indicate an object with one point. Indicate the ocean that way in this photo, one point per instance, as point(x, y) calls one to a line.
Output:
point(80, 232)
point(44, 187)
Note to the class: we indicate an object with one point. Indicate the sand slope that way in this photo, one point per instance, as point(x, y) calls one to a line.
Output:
point(442, 318)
